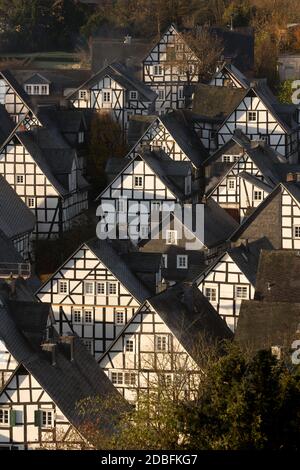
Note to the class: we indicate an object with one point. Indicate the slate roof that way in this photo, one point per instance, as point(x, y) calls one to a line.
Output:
point(37, 79)
point(122, 76)
point(245, 256)
point(15, 217)
point(67, 382)
point(6, 125)
point(188, 314)
point(255, 181)
point(278, 277)
point(218, 224)
point(178, 125)
point(53, 155)
point(215, 102)
point(104, 251)
point(66, 120)
point(235, 73)
point(262, 325)
point(8, 253)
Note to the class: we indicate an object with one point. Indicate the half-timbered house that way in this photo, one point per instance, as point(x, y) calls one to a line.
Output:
point(16, 220)
point(189, 239)
point(172, 133)
point(16, 101)
point(44, 172)
point(38, 403)
point(231, 279)
point(242, 173)
point(254, 110)
point(115, 92)
point(160, 346)
point(149, 182)
point(227, 75)
point(277, 218)
point(164, 74)
point(95, 293)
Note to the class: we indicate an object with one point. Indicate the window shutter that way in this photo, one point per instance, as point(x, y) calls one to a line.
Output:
point(12, 417)
point(37, 418)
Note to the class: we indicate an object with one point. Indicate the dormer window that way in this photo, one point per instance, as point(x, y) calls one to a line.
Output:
point(252, 116)
point(138, 182)
point(133, 95)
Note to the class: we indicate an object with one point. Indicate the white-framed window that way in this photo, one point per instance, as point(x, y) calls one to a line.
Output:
point(81, 137)
point(158, 70)
point(36, 89)
point(117, 378)
point(191, 69)
point(20, 179)
point(63, 286)
point(231, 184)
point(181, 94)
point(47, 419)
point(257, 195)
point(119, 318)
point(138, 181)
point(83, 95)
point(112, 288)
point(77, 316)
point(106, 96)
point(252, 116)
point(161, 343)
point(296, 230)
point(161, 94)
point(165, 260)
point(182, 261)
point(241, 292)
point(171, 237)
point(130, 378)
point(28, 89)
point(133, 95)
point(88, 343)
point(88, 316)
point(100, 286)
point(226, 158)
point(211, 293)
point(129, 345)
point(4, 416)
point(88, 288)
point(30, 202)
point(236, 158)
point(44, 90)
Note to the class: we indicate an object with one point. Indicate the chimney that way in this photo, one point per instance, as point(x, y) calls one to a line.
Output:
point(290, 177)
point(50, 348)
point(68, 341)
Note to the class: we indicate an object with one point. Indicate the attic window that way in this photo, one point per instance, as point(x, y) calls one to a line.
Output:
point(83, 95)
point(106, 96)
point(19, 179)
point(133, 95)
point(252, 116)
point(231, 184)
point(63, 287)
point(211, 294)
point(138, 181)
point(257, 196)
point(182, 261)
point(161, 343)
point(88, 343)
point(171, 237)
